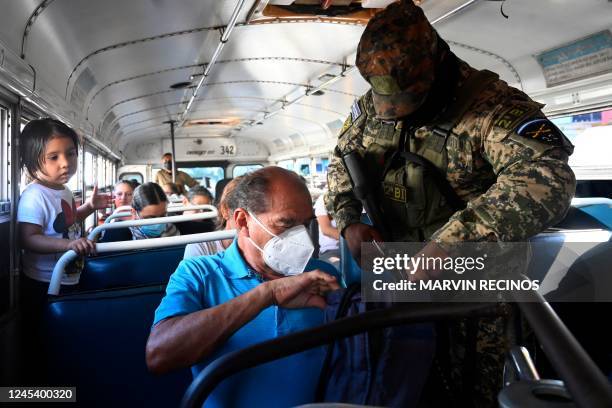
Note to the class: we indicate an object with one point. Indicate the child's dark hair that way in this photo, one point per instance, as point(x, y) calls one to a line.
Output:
point(148, 194)
point(200, 191)
point(35, 136)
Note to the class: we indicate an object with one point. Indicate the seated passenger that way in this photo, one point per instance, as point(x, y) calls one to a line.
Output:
point(173, 193)
point(251, 292)
point(198, 196)
point(122, 196)
point(150, 202)
point(226, 208)
point(328, 234)
point(123, 193)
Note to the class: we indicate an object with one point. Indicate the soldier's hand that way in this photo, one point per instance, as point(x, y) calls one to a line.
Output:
point(431, 250)
point(357, 233)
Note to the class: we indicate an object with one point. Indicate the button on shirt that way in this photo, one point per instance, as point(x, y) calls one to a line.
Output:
point(208, 281)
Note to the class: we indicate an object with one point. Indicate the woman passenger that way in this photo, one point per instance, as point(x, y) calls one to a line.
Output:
point(150, 201)
point(122, 194)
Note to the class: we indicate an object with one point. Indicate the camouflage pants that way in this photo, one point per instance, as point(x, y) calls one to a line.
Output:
point(475, 361)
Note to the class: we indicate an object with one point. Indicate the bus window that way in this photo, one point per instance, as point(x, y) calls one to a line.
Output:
point(5, 250)
point(244, 169)
point(4, 156)
point(202, 174)
point(132, 177)
point(90, 179)
point(286, 164)
point(591, 135)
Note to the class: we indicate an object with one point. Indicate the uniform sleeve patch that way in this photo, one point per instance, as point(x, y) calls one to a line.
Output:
point(542, 130)
point(347, 124)
point(509, 118)
point(355, 110)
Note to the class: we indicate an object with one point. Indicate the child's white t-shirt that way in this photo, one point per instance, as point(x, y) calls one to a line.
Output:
point(55, 211)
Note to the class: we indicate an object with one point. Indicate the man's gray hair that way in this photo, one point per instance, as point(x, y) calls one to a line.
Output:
point(251, 192)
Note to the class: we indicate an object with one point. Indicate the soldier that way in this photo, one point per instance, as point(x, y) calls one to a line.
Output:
point(164, 176)
point(455, 154)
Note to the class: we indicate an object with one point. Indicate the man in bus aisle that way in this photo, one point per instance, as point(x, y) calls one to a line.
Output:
point(164, 176)
point(251, 292)
point(492, 145)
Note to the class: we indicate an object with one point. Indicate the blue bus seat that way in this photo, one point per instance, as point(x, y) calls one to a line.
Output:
point(143, 267)
point(325, 266)
point(96, 342)
point(349, 268)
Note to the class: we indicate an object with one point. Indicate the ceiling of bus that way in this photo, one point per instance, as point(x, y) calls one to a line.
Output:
point(114, 61)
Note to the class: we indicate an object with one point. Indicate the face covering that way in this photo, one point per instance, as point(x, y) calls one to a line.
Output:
point(286, 253)
point(153, 231)
point(148, 231)
point(168, 165)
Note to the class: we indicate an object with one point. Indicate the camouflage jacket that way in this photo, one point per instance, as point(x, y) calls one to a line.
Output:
point(507, 162)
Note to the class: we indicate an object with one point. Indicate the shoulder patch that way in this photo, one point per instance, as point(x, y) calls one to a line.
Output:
point(510, 117)
point(542, 130)
point(347, 124)
point(355, 110)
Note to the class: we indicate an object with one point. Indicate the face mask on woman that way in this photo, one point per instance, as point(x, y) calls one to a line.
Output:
point(148, 231)
point(286, 253)
point(153, 231)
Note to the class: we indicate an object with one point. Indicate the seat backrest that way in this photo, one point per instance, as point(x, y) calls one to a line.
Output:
point(143, 267)
point(195, 227)
point(313, 231)
point(96, 342)
point(324, 266)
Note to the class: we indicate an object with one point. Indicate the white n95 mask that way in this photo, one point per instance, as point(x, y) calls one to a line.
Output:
point(286, 253)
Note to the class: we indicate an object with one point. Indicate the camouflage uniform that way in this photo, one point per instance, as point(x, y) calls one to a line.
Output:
point(514, 185)
point(502, 157)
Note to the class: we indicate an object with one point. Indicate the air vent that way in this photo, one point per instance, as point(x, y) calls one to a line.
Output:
point(279, 143)
point(109, 118)
point(115, 129)
point(84, 84)
point(214, 122)
point(180, 85)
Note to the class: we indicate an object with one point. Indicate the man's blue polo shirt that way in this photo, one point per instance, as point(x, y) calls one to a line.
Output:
point(208, 281)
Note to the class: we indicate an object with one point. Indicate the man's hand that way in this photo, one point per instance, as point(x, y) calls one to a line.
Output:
point(304, 290)
point(357, 233)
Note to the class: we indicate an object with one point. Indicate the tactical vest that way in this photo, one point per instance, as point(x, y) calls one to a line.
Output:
point(410, 171)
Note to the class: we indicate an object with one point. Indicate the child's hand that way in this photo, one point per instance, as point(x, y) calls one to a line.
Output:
point(99, 201)
point(82, 246)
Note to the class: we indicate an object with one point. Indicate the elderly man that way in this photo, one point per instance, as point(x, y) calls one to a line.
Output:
point(164, 176)
point(253, 291)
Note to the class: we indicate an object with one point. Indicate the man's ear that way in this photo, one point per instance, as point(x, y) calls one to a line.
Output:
point(133, 211)
point(240, 217)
